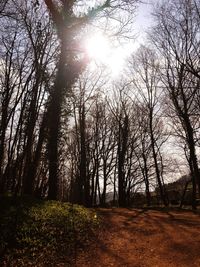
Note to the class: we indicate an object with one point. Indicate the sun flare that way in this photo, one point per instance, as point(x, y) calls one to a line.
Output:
point(100, 50)
point(98, 47)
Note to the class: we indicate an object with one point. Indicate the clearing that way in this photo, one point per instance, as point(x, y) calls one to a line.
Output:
point(145, 238)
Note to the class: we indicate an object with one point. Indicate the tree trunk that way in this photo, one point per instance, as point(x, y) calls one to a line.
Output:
point(122, 147)
point(146, 179)
point(54, 114)
point(158, 177)
point(184, 192)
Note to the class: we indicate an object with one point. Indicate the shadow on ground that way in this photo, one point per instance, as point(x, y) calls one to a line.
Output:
point(146, 238)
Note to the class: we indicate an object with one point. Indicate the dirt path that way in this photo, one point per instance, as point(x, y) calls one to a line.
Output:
point(137, 238)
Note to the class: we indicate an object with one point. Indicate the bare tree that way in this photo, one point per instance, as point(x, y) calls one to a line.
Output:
point(146, 79)
point(70, 65)
point(177, 37)
point(25, 81)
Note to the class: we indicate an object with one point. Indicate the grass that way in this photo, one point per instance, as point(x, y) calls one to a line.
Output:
point(43, 233)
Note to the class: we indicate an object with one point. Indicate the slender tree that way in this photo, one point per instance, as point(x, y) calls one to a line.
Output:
point(177, 43)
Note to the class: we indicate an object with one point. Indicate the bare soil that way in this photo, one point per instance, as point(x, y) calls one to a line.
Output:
point(145, 238)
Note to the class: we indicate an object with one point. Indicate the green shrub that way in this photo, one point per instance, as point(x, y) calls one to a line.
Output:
point(38, 233)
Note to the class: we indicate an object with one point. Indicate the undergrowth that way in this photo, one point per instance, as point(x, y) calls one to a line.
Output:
point(43, 233)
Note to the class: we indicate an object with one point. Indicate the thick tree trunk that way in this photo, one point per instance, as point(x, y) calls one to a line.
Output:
point(195, 173)
point(193, 160)
point(54, 115)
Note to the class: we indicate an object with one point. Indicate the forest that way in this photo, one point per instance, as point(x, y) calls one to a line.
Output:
point(77, 125)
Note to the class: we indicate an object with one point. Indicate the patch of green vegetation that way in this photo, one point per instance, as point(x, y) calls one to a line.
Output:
point(40, 233)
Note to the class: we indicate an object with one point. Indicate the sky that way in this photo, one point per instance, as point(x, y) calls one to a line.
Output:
point(143, 22)
point(143, 19)
point(115, 57)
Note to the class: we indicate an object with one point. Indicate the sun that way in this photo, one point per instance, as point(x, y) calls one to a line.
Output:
point(98, 47)
point(101, 51)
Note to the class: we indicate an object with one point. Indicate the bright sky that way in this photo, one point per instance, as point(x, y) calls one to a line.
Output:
point(144, 20)
point(100, 50)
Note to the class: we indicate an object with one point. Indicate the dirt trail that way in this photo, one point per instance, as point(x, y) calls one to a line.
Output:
point(139, 238)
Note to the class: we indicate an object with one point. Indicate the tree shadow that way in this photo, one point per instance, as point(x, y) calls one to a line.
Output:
point(169, 236)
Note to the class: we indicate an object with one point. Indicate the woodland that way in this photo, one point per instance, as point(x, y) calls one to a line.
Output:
point(73, 132)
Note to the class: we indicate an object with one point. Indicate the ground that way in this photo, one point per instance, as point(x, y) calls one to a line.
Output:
point(145, 238)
